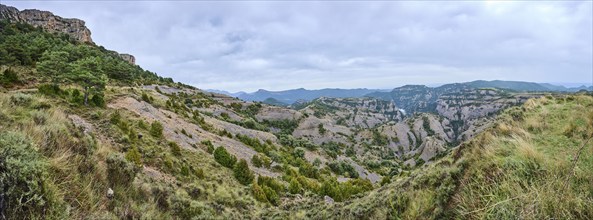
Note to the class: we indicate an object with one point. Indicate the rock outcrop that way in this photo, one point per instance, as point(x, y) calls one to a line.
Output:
point(48, 21)
point(128, 57)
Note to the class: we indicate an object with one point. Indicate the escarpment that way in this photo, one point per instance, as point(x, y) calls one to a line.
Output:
point(48, 21)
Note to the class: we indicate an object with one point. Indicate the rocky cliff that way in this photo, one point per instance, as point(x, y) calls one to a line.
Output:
point(48, 21)
point(128, 57)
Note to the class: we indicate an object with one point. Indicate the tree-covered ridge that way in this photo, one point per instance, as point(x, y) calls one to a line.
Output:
point(57, 58)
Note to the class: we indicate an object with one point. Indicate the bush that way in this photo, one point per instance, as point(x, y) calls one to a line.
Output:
point(272, 183)
point(9, 77)
point(256, 161)
point(175, 149)
point(20, 99)
point(295, 187)
point(343, 168)
point(145, 97)
point(156, 129)
point(271, 195)
point(26, 193)
point(224, 158)
point(186, 208)
point(134, 156)
point(298, 153)
point(266, 161)
point(76, 97)
point(242, 173)
point(199, 173)
point(49, 89)
point(120, 171)
point(385, 180)
point(209, 146)
point(98, 100)
point(321, 129)
point(258, 193)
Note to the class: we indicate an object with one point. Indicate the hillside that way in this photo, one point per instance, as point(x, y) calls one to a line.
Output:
point(87, 134)
point(520, 167)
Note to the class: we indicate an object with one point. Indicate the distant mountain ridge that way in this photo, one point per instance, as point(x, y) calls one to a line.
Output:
point(524, 86)
point(287, 97)
point(420, 98)
point(293, 95)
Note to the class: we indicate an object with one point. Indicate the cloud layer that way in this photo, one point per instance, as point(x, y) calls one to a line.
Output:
point(282, 45)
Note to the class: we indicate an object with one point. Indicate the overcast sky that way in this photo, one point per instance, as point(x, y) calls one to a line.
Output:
point(246, 46)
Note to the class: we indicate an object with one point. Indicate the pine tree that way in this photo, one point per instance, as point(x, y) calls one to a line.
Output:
point(256, 161)
point(224, 158)
point(242, 172)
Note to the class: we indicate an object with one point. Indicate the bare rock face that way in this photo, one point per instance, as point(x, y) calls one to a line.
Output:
point(431, 147)
point(74, 27)
point(128, 57)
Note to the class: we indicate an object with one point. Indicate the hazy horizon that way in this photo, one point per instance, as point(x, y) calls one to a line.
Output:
point(565, 84)
point(246, 46)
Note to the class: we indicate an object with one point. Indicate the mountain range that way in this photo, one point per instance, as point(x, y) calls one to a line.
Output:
point(288, 97)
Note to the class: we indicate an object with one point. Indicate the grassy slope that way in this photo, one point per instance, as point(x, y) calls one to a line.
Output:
point(520, 168)
point(75, 174)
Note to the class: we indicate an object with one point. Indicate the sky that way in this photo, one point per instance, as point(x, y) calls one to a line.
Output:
point(245, 46)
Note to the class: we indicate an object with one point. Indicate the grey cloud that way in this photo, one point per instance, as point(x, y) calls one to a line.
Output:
point(283, 45)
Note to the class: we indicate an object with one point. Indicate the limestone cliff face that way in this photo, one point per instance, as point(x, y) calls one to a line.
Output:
point(128, 57)
point(74, 27)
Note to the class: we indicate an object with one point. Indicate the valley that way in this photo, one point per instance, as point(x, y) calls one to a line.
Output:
point(85, 133)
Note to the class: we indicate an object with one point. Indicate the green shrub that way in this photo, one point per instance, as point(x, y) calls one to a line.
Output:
point(199, 173)
point(145, 97)
point(256, 161)
point(272, 183)
point(175, 149)
point(26, 192)
point(385, 180)
point(209, 146)
point(20, 99)
point(9, 77)
point(343, 168)
point(49, 89)
point(156, 129)
point(98, 100)
point(298, 153)
point(271, 195)
point(242, 172)
point(115, 118)
point(295, 187)
point(186, 208)
point(258, 193)
point(76, 97)
point(426, 126)
point(120, 171)
point(224, 158)
point(321, 129)
point(134, 156)
point(266, 161)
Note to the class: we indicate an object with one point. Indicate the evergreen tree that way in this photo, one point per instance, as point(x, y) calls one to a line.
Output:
point(88, 74)
point(258, 193)
point(242, 172)
point(224, 158)
point(256, 161)
point(156, 129)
